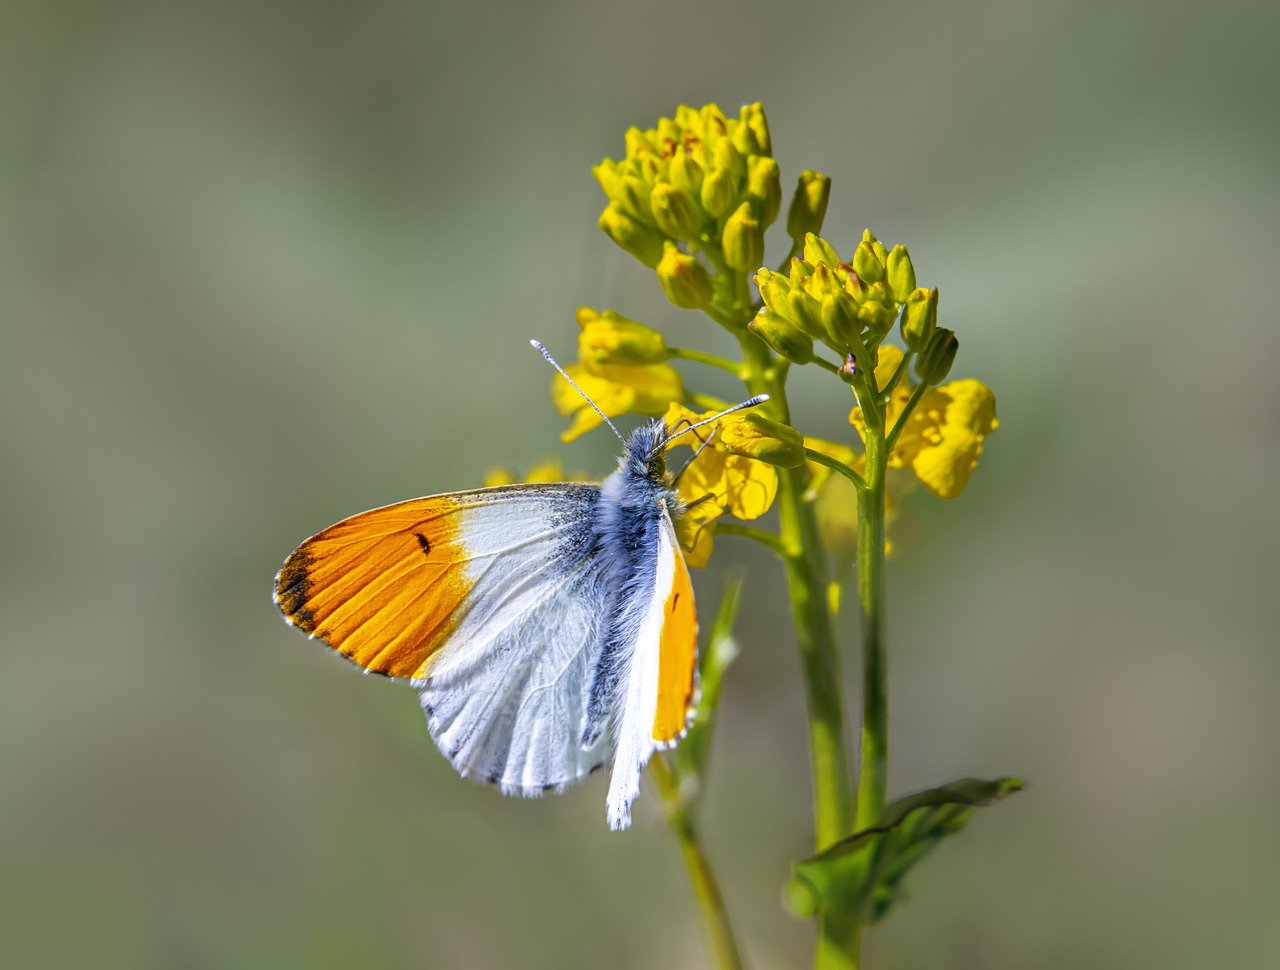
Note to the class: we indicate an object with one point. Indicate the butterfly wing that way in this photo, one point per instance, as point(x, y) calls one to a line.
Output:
point(491, 602)
point(661, 680)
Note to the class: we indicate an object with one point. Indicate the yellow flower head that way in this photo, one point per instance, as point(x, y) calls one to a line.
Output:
point(718, 482)
point(943, 438)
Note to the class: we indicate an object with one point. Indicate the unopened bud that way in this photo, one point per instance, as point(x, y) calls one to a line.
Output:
point(611, 338)
point(805, 312)
point(773, 288)
point(787, 340)
point(755, 436)
point(764, 188)
point(867, 263)
point(719, 192)
point(673, 212)
point(920, 318)
point(683, 278)
point(818, 250)
point(743, 240)
point(752, 116)
point(641, 241)
point(808, 205)
point(841, 320)
point(685, 173)
point(876, 317)
point(934, 364)
point(899, 273)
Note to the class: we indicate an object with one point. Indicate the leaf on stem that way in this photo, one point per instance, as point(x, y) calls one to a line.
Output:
point(863, 873)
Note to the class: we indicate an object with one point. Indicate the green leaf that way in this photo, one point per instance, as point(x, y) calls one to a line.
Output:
point(864, 872)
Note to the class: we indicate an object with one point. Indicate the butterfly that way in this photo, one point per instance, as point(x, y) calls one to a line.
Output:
point(548, 628)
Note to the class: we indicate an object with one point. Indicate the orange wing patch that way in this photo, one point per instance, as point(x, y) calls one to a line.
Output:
point(677, 657)
point(382, 587)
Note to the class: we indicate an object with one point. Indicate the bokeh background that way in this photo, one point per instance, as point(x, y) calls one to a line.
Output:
point(263, 265)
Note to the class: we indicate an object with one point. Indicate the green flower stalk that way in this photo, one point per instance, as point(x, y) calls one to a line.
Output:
point(691, 199)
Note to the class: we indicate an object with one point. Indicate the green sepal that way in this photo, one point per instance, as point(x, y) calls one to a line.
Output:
point(864, 872)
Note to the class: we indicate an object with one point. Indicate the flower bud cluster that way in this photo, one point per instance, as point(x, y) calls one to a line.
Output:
point(850, 305)
point(698, 181)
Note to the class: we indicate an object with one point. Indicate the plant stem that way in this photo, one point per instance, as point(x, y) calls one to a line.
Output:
point(873, 766)
point(836, 465)
point(706, 891)
point(767, 539)
point(711, 360)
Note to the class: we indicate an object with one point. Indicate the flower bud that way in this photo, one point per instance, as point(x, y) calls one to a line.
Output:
point(641, 241)
point(876, 317)
point(805, 312)
point(787, 340)
point(818, 250)
point(920, 318)
point(610, 179)
point(808, 205)
point(634, 200)
point(799, 270)
point(934, 364)
point(764, 188)
point(673, 212)
point(719, 193)
point(840, 317)
point(610, 338)
point(683, 278)
point(743, 240)
point(728, 157)
point(867, 263)
point(773, 288)
point(752, 116)
point(685, 174)
point(899, 273)
point(755, 436)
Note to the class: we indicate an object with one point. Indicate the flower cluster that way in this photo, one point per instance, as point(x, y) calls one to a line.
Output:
point(696, 183)
point(691, 199)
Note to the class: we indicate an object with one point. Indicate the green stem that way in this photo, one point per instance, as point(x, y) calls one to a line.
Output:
point(767, 539)
point(711, 360)
point(837, 465)
point(873, 767)
point(706, 891)
point(806, 567)
point(901, 423)
point(825, 364)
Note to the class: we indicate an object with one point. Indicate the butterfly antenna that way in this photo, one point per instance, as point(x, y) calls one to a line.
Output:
point(537, 345)
point(748, 403)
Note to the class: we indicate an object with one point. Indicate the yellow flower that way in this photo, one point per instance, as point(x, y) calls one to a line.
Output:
point(718, 483)
point(616, 389)
point(944, 436)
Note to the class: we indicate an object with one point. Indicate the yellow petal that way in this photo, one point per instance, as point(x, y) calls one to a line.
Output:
point(944, 436)
point(697, 540)
point(887, 362)
point(742, 487)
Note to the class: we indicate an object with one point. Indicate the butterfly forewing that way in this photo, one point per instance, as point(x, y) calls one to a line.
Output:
point(490, 600)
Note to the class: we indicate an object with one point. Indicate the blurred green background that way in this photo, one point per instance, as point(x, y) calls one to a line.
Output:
point(263, 265)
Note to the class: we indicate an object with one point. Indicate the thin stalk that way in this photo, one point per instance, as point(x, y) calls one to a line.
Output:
point(766, 539)
point(711, 360)
point(837, 465)
point(901, 423)
point(706, 891)
point(874, 744)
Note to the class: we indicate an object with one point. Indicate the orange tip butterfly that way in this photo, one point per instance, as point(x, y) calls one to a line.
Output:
point(548, 629)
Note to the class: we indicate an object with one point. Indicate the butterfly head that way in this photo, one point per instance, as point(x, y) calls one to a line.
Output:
point(645, 451)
